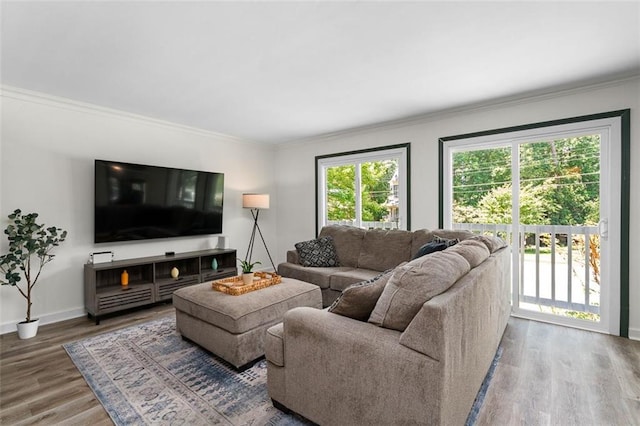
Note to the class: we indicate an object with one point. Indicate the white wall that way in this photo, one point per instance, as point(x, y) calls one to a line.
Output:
point(48, 146)
point(295, 181)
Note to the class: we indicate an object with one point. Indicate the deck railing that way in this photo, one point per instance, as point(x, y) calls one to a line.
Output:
point(366, 225)
point(558, 264)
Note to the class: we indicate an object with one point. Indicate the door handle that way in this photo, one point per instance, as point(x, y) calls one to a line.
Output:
point(603, 228)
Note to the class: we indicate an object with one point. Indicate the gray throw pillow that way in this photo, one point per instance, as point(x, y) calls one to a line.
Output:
point(318, 253)
point(358, 300)
point(415, 283)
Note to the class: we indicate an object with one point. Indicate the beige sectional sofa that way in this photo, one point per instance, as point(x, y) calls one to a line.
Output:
point(411, 362)
point(363, 254)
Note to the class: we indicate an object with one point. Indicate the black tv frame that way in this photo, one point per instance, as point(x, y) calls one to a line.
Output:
point(136, 202)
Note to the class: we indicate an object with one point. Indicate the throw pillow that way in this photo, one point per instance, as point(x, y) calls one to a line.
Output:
point(448, 241)
point(358, 300)
point(320, 252)
point(437, 244)
point(492, 243)
point(429, 248)
point(412, 285)
point(474, 251)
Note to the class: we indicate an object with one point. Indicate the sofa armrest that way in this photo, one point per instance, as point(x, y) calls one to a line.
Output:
point(480, 300)
point(274, 345)
point(292, 257)
point(329, 359)
point(425, 332)
point(326, 328)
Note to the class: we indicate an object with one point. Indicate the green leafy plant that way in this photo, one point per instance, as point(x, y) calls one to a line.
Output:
point(247, 266)
point(28, 241)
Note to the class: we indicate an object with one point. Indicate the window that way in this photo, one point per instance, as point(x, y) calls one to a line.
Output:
point(368, 189)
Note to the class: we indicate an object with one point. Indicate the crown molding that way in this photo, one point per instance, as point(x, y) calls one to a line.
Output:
point(54, 101)
point(493, 104)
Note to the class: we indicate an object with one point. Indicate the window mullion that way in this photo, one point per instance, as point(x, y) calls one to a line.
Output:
point(358, 193)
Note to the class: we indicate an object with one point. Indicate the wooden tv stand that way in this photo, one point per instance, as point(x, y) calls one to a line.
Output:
point(150, 279)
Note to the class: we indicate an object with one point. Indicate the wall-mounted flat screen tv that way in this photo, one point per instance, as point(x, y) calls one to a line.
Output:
point(139, 202)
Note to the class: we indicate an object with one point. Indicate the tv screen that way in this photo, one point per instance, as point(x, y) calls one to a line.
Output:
point(139, 202)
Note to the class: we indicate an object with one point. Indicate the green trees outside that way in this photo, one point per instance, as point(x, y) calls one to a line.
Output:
point(375, 189)
point(559, 183)
point(341, 192)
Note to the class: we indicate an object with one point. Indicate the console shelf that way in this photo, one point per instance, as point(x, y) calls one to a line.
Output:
point(150, 279)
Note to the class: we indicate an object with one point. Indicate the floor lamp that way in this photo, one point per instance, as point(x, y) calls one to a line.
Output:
point(256, 202)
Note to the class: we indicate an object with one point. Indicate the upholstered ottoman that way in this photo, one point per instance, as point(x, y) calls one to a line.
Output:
point(234, 327)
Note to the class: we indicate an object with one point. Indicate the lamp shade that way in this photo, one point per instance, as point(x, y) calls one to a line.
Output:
point(255, 201)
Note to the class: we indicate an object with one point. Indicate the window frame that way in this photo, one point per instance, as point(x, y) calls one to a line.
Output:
point(401, 151)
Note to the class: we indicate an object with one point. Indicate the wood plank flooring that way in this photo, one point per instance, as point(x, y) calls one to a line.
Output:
point(40, 385)
point(552, 375)
point(547, 375)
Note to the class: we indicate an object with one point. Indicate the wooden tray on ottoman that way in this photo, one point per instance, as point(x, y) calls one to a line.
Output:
point(235, 287)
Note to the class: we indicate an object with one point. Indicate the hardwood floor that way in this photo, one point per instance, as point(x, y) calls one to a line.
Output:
point(547, 375)
point(555, 375)
point(40, 385)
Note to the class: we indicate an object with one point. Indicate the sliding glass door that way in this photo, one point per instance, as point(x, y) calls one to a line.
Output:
point(552, 193)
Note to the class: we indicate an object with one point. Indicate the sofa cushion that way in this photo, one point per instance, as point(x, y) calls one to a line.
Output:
point(347, 241)
point(415, 283)
point(318, 276)
point(358, 300)
point(474, 251)
point(419, 238)
point(382, 250)
point(292, 256)
point(452, 234)
point(320, 252)
point(492, 243)
point(341, 280)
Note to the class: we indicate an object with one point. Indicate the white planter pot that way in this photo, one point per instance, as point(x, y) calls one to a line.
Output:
point(247, 278)
point(27, 330)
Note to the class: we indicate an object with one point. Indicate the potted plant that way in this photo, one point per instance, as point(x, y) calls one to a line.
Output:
point(247, 270)
point(28, 241)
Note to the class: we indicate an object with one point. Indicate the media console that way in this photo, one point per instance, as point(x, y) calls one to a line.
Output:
point(150, 279)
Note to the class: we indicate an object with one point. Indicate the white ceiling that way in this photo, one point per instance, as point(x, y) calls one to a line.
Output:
point(284, 71)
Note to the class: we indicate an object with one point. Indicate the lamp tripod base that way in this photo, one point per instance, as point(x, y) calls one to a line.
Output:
point(256, 227)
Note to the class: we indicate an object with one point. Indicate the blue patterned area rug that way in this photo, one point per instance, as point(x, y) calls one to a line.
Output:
point(147, 374)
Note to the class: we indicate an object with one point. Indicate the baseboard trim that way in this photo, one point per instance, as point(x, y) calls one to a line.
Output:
point(634, 334)
point(10, 327)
